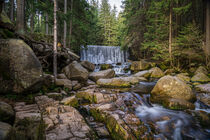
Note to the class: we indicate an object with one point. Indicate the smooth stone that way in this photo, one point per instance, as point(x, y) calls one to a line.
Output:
point(102, 75)
point(4, 130)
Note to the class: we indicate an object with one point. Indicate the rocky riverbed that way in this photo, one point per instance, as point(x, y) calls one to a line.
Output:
point(82, 104)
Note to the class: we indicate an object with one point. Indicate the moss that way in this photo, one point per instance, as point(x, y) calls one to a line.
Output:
point(5, 18)
point(98, 116)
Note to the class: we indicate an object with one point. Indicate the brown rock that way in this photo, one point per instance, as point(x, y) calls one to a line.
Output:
point(102, 74)
point(89, 66)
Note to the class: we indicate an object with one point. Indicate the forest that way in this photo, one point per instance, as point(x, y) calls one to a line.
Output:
point(87, 69)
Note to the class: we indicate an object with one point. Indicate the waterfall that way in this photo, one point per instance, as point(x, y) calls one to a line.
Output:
point(103, 54)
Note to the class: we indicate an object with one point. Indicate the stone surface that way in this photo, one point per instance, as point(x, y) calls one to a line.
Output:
point(171, 87)
point(20, 69)
point(88, 65)
point(203, 88)
point(105, 66)
point(201, 69)
point(143, 87)
point(61, 76)
point(139, 65)
point(4, 130)
point(63, 122)
point(75, 71)
point(179, 104)
point(184, 77)
point(55, 96)
point(72, 101)
point(7, 114)
point(205, 98)
point(156, 72)
point(102, 74)
point(89, 82)
point(64, 83)
point(114, 83)
point(200, 77)
point(145, 73)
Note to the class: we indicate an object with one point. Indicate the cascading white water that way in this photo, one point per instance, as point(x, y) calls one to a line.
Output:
point(105, 55)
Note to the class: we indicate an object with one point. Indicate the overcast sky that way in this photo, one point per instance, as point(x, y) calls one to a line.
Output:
point(117, 3)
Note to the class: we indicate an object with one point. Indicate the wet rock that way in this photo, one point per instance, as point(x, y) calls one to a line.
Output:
point(20, 69)
point(203, 88)
point(106, 66)
point(102, 74)
point(6, 113)
point(156, 72)
point(205, 98)
point(201, 69)
point(77, 86)
point(179, 104)
point(202, 117)
point(171, 87)
point(75, 71)
point(88, 65)
point(5, 130)
point(144, 87)
point(184, 77)
point(200, 77)
point(139, 65)
point(168, 71)
point(72, 101)
point(145, 73)
point(48, 80)
point(61, 76)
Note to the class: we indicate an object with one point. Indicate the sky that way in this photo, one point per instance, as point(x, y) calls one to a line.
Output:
point(117, 3)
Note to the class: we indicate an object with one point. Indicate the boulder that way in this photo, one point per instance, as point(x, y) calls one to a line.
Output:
point(106, 66)
point(102, 74)
point(89, 82)
point(5, 130)
point(114, 82)
point(205, 98)
point(61, 76)
point(144, 87)
point(20, 69)
point(156, 72)
point(203, 88)
point(201, 69)
point(145, 73)
point(72, 101)
point(171, 87)
point(179, 104)
point(75, 71)
point(88, 65)
point(139, 65)
point(55, 96)
point(200, 77)
point(184, 77)
point(7, 114)
point(64, 82)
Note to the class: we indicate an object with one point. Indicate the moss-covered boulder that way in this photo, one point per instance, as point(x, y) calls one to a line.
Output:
point(145, 73)
point(201, 69)
point(114, 83)
point(179, 104)
point(105, 66)
point(20, 69)
point(156, 72)
point(200, 77)
point(7, 114)
point(72, 101)
point(203, 88)
point(171, 87)
point(102, 74)
point(184, 77)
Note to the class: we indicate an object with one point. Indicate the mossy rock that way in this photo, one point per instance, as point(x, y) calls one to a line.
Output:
point(106, 66)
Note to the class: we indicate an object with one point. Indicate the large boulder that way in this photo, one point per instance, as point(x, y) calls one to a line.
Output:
point(171, 87)
point(139, 65)
point(75, 71)
point(20, 69)
point(203, 88)
point(200, 77)
point(102, 74)
point(89, 66)
point(184, 77)
point(145, 73)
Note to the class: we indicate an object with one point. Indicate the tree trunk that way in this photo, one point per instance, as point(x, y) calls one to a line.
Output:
point(70, 31)
point(20, 16)
point(1, 5)
point(65, 26)
point(208, 28)
point(170, 35)
point(47, 24)
point(55, 41)
point(32, 19)
point(12, 10)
